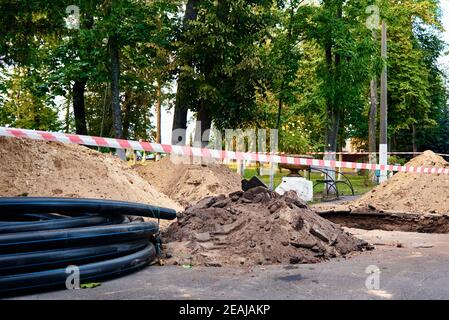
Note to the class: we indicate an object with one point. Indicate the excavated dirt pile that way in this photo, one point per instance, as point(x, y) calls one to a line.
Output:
point(39, 168)
point(254, 227)
point(188, 183)
point(411, 192)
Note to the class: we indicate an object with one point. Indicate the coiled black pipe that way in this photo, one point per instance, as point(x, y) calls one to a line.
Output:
point(58, 223)
point(40, 237)
point(24, 241)
point(40, 260)
point(69, 205)
point(88, 272)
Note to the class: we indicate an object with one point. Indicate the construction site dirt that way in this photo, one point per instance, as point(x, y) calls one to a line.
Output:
point(256, 227)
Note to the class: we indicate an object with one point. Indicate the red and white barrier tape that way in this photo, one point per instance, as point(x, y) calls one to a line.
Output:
point(368, 153)
point(203, 152)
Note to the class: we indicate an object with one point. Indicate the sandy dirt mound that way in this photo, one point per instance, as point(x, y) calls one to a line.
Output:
point(188, 183)
point(39, 168)
point(411, 192)
point(254, 227)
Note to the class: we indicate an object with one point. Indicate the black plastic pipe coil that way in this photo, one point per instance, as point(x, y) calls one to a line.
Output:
point(41, 237)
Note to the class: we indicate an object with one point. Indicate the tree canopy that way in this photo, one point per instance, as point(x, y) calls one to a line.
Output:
point(104, 67)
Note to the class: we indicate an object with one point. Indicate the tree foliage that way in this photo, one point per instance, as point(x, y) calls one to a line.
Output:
point(301, 66)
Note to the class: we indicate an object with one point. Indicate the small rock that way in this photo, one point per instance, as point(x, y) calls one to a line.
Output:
point(212, 264)
point(251, 193)
point(220, 204)
point(275, 206)
point(319, 233)
point(292, 198)
point(305, 245)
point(333, 239)
point(203, 237)
point(206, 202)
point(258, 198)
point(422, 245)
point(295, 260)
point(299, 224)
point(235, 196)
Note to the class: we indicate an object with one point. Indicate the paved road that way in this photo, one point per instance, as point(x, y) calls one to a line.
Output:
point(417, 269)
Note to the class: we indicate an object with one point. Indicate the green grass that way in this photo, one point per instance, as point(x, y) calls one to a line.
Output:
point(360, 183)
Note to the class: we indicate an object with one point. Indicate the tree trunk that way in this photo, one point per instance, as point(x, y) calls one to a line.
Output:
point(126, 114)
point(329, 102)
point(394, 143)
point(332, 131)
point(278, 121)
point(336, 107)
point(79, 87)
point(179, 121)
point(78, 106)
point(115, 92)
point(67, 114)
point(415, 147)
point(103, 116)
point(281, 92)
point(333, 108)
point(222, 9)
point(180, 110)
point(204, 116)
point(333, 115)
point(205, 119)
point(191, 11)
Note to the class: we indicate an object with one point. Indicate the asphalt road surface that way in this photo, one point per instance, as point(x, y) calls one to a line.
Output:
point(405, 266)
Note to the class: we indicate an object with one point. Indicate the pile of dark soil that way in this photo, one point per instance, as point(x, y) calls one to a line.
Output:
point(255, 227)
